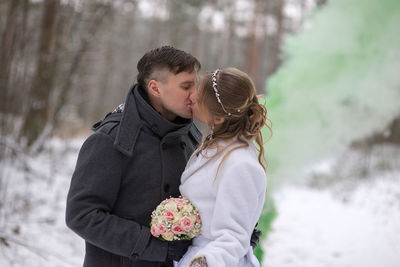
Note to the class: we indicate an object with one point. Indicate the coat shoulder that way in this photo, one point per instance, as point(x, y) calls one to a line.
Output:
point(244, 160)
point(108, 125)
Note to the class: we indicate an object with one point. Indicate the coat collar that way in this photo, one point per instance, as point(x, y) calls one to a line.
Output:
point(138, 113)
point(207, 156)
point(158, 124)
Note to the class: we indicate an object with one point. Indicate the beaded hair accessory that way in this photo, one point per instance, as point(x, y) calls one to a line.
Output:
point(214, 84)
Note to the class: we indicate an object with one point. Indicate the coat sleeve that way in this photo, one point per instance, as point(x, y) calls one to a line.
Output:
point(241, 187)
point(93, 191)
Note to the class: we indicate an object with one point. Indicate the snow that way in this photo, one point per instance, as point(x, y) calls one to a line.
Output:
point(32, 219)
point(349, 223)
point(349, 218)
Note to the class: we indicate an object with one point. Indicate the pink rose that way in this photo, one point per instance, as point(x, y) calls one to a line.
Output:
point(177, 229)
point(169, 215)
point(162, 229)
point(154, 231)
point(186, 224)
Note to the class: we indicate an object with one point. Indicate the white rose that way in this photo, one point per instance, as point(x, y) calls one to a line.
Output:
point(169, 236)
point(178, 217)
point(187, 208)
point(171, 205)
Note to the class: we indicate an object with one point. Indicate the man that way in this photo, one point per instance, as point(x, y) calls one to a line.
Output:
point(132, 162)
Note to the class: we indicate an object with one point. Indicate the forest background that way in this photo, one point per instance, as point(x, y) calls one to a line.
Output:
point(328, 70)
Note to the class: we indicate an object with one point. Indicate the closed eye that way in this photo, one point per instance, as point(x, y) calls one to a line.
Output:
point(187, 85)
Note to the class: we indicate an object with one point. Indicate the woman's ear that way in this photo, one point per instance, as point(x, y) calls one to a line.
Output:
point(218, 120)
point(153, 87)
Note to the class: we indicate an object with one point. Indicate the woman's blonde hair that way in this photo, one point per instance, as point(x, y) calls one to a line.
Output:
point(244, 115)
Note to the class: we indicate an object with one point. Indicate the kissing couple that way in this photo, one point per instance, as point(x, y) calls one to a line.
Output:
point(149, 149)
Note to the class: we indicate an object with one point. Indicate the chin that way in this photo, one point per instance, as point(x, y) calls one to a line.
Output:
point(186, 115)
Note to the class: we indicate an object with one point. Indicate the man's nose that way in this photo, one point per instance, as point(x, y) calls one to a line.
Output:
point(193, 93)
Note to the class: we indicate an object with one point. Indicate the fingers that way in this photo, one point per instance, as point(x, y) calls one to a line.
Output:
point(198, 261)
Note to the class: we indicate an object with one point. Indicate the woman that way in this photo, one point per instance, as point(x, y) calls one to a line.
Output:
point(225, 178)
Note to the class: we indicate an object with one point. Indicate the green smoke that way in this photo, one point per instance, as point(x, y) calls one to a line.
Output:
point(340, 82)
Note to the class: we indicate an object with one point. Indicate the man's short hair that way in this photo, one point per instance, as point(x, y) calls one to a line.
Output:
point(165, 57)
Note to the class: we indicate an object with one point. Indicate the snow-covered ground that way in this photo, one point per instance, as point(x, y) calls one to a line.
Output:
point(32, 219)
point(340, 217)
point(353, 221)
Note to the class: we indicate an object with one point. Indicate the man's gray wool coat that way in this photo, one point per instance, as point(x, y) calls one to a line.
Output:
point(132, 162)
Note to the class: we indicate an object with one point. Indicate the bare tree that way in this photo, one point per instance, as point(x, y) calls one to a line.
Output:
point(274, 42)
point(37, 115)
point(7, 53)
point(177, 22)
point(228, 35)
point(156, 23)
point(68, 48)
point(253, 46)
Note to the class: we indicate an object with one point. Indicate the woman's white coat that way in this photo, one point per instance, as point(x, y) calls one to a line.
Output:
point(230, 203)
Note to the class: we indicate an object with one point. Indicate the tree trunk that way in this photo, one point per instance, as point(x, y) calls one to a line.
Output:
point(195, 39)
point(253, 48)
point(177, 21)
point(302, 9)
point(228, 35)
point(274, 42)
point(156, 26)
point(26, 37)
point(53, 114)
point(279, 34)
point(206, 56)
point(6, 55)
point(107, 74)
point(100, 16)
point(43, 82)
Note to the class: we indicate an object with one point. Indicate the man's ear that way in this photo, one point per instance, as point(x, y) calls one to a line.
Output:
point(153, 87)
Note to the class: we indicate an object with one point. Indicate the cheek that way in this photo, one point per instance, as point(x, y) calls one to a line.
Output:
point(200, 113)
point(184, 97)
point(175, 98)
point(195, 108)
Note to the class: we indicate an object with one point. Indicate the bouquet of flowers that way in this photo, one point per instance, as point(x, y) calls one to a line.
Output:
point(175, 219)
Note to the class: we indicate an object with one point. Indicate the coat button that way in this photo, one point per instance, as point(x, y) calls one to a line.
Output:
point(164, 146)
point(183, 145)
point(154, 128)
point(166, 188)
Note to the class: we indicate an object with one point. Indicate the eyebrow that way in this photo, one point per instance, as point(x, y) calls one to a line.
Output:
point(187, 82)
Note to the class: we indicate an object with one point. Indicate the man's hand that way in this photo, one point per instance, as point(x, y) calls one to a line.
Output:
point(255, 238)
point(176, 249)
